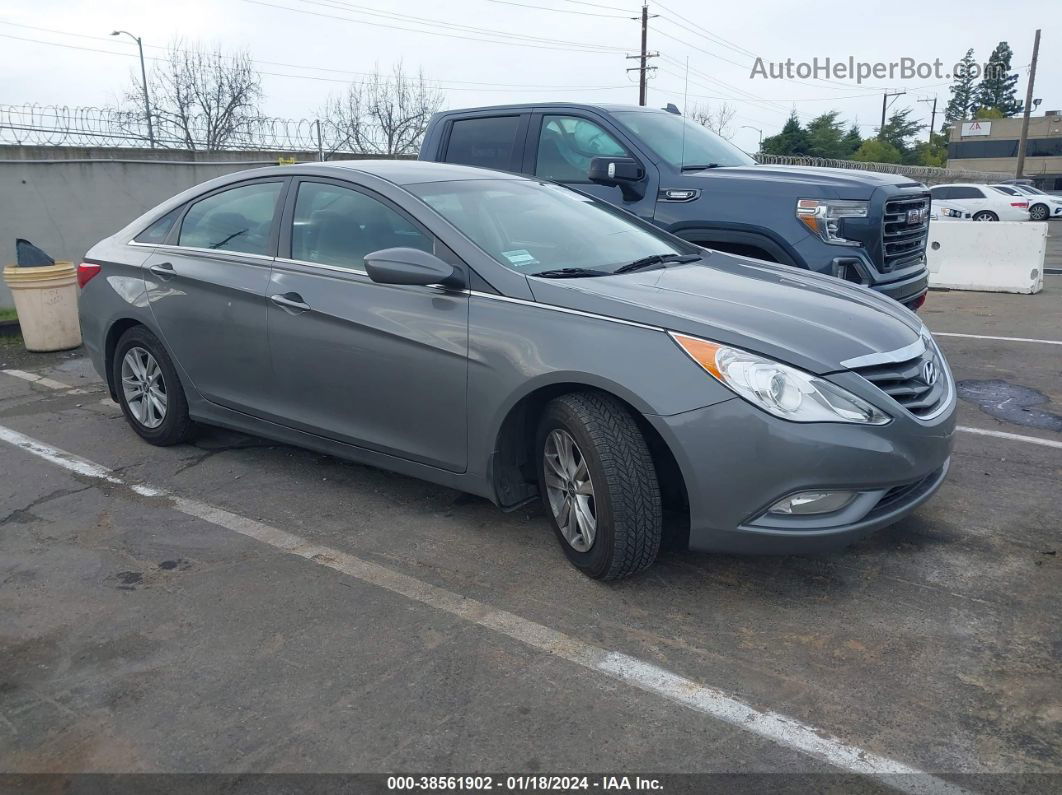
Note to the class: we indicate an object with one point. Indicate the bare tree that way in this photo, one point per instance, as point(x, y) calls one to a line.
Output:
point(383, 114)
point(201, 98)
point(717, 119)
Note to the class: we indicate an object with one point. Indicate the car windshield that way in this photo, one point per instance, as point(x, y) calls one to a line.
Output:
point(535, 227)
point(1032, 190)
point(681, 142)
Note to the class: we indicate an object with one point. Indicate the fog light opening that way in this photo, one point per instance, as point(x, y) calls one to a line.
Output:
point(812, 502)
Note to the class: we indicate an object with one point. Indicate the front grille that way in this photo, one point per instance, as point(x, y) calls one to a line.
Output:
point(903, 244)
point(905, 382)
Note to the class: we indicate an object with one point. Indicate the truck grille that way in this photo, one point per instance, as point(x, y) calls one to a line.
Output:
point(904, 243)
point(906, 382)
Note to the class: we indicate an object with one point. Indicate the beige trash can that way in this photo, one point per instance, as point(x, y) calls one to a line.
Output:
point(46, 303)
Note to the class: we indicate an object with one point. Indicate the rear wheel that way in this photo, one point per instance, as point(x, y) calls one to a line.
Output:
point(149, 390)
point(985, 215)
point(1038, 212)
point(599, 485)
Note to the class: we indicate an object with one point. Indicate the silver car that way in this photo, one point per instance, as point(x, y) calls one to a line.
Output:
point(519, 340)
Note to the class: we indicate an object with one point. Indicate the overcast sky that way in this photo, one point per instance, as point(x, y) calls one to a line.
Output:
point(578, 52)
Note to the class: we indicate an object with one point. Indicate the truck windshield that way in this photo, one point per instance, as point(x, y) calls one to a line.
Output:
point(681, 142)
point(539, 227)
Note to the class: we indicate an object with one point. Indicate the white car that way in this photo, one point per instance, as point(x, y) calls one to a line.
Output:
point(1041, 205)
point(983, 202)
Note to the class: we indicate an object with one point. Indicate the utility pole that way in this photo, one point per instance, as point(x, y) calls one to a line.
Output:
point(885, 106)
point(1024, 139)
point(932, 118)
point(757, 129)
point(645, 55)
point(143, 82)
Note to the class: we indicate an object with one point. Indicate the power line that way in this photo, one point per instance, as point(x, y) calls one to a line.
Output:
point(441, 85)
point(596, 5)
point(559, 10)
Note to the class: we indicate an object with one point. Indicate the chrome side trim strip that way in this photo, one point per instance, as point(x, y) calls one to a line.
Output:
point(213, 252)
point(563, 310)
point(916, 348)
point(319, 266)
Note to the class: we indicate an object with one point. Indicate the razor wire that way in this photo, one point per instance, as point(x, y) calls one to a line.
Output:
point(61, 125)
point(931, 175)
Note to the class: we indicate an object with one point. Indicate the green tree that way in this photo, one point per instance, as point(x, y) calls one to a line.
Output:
point(826, 136)
point(874, 150)
point(792, 140)
point(898, 129)
point(998, 87)
point(933, 152)
point(963, 90)
point(851, 141)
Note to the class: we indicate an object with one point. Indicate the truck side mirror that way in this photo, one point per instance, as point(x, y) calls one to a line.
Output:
point(626, 173)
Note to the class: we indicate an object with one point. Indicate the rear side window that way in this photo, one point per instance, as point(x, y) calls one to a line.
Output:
point(157, 232)
point(239, 219)
point(486, 142)
point(338, 227)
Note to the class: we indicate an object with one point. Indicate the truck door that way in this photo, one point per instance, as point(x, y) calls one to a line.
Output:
point(561, 145)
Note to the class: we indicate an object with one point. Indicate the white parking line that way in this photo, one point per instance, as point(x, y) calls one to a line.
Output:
point(1002, 339)
point(717, 704)
point(1017, 437)
point(40, 380)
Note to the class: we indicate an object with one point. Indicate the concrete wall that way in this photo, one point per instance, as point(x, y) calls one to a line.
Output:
point(1007, 256)
point(64, 199)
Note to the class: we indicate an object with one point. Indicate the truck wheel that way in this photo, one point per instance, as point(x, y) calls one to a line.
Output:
point(599, 485)
point(985, 215)
point(149, 391)
point(1038, 212)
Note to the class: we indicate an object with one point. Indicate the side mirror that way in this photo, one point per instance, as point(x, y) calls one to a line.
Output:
point(626, 173)
point(410, 266)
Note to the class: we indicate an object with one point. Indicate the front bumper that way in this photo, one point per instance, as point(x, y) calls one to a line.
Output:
point(905, 291)
point(737, 461)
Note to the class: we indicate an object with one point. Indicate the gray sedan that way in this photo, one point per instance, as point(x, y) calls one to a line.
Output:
point(519, 340)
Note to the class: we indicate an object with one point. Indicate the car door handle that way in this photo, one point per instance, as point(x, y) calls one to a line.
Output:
point(164, 270)
point(291, 301)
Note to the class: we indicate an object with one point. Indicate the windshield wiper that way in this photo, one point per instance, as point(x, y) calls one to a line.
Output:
point(569, 273)
point(655, 260)
point(701, 167)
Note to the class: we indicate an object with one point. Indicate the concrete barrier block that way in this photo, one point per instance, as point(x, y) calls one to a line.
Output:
point(1002, 256)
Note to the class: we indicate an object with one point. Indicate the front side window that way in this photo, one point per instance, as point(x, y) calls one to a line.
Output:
point(338, 226)
point(487, 142)
point(567, 144)
point(239, 219)
point(966, 193)
point(532, 227)
point(160, 229)
point(684, 144)
point(941, 192)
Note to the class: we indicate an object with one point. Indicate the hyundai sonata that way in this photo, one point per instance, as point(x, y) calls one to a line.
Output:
point(519, 340)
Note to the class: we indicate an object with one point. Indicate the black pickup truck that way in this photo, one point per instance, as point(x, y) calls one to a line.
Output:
point(862, 226)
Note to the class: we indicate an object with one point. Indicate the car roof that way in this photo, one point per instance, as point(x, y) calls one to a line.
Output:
point(529, 106)
point(409, 172)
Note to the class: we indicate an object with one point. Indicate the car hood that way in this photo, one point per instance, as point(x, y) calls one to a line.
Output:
point(810, 321)
point(801, 177)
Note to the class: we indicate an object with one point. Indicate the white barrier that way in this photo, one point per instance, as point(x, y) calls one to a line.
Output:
point(1001, 256)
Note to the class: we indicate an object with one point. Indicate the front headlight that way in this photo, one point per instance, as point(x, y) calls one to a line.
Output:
point(777, 388)
point(823, 217)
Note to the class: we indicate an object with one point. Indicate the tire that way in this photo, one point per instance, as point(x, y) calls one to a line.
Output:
point(985, 215)
point(1039, 212)
point(624, 494)
point(140, 358)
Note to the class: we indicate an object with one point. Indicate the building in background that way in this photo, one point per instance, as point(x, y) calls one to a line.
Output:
point(992, 145)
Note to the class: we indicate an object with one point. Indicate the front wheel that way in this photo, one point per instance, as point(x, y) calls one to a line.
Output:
point(985, 215)
point(599, 485)
point(1038, 212)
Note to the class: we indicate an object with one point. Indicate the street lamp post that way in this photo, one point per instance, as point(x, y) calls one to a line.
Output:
point(143, 82)
point(759, 146)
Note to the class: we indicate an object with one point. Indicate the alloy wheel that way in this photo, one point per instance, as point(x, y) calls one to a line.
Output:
point(570, 490)
point(1038, 213)
point(143, 387)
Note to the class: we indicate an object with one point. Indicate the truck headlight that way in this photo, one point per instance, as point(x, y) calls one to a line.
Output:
point(777, 388)
point(823, 217)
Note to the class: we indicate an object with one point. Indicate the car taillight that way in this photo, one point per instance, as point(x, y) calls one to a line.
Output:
point(1023, 205)
point(85, 272)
